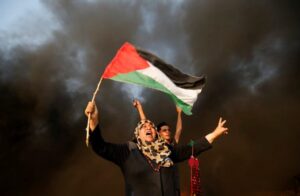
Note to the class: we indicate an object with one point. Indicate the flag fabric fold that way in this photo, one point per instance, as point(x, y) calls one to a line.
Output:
point(132, 65)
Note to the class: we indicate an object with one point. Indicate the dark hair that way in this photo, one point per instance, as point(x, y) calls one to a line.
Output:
point(160, 125)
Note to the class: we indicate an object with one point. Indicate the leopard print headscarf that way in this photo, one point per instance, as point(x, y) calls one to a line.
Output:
point(157, 150)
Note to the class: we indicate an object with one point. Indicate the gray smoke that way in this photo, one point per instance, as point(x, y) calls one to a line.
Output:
point(51, 61)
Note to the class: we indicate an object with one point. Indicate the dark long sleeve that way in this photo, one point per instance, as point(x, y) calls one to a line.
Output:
point(117, 153)
point(184, 152)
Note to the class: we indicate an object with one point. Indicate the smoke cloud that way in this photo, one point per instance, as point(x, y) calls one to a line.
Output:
point(51, 59)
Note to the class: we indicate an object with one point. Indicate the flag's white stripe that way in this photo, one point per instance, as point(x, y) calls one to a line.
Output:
point(188, 96)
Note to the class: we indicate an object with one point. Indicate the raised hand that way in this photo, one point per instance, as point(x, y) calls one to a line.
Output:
point(220, 130)
point(136, 103)
point(178, 109)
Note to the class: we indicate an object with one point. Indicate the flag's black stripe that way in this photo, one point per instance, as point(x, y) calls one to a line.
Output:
point(179, 79)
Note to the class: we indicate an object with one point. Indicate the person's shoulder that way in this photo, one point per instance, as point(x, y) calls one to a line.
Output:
point(132, 145)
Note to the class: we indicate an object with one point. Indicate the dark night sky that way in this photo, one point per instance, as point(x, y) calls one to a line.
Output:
point(53, 52)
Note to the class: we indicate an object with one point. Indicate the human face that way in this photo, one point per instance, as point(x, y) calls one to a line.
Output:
point(147, 132)
point(165, 132)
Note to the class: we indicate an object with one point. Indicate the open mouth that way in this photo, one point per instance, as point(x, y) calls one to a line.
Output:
point(148, 133)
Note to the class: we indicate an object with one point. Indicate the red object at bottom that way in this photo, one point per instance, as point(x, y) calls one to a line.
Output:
point(195, 177)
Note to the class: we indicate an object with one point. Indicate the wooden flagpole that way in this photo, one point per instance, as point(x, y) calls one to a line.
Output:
point(89, 117)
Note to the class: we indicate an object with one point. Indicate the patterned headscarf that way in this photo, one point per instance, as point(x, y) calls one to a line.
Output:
point(157, 150)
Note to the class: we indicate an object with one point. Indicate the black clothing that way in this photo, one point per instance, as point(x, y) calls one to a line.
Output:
point(176, 177)
point(140, 178)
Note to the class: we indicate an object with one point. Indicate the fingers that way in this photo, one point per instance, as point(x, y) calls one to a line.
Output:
point(90, 108)
point(221, 125)
point(225, 131)
point(221, 122)
point(135, 102)
point(178, 109)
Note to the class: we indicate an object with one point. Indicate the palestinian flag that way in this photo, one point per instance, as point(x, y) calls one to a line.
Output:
point(136, 66)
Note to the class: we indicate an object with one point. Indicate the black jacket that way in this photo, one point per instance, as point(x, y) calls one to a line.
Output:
point(140, 178)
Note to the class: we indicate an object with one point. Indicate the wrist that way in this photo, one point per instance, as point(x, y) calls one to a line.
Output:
point(93, 124)
point(211, 137)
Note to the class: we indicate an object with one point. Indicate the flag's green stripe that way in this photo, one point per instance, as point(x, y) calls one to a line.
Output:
point(140, 79)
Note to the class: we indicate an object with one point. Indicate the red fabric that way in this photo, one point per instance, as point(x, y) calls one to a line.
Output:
point(126, 60)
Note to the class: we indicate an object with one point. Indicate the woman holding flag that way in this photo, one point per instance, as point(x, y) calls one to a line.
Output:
point(146, 165)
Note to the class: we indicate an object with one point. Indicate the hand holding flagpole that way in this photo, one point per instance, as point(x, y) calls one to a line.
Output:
point(89, 117)
point(135, 66)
